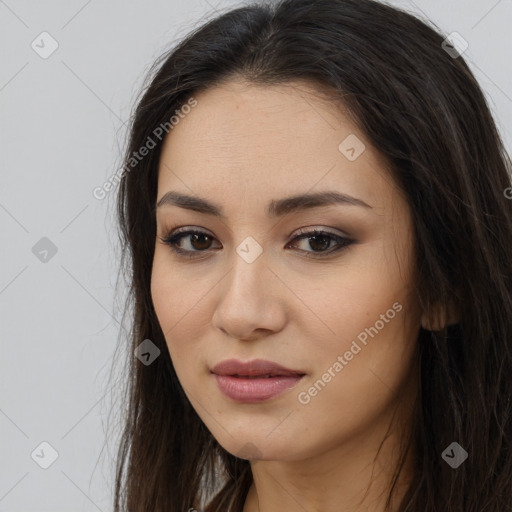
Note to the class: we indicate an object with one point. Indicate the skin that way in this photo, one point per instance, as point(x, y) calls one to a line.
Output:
point(242, 146)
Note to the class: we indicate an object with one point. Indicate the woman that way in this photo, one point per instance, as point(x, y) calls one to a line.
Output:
point(315, 208)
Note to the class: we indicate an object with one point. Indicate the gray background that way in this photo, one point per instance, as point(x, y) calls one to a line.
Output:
point(62, 127)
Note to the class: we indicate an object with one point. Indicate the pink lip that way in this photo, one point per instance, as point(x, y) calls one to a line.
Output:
point(254, 381)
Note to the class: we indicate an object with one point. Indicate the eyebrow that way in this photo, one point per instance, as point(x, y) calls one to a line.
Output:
point(276, 207)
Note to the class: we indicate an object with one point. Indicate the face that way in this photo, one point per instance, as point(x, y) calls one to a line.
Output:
point(323, 291)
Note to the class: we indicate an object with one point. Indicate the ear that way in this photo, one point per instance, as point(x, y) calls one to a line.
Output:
point(437, 319)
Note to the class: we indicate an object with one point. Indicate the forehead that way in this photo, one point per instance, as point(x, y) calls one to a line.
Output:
point(261, 141)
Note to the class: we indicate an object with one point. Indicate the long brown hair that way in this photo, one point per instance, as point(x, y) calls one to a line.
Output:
point(422, 108)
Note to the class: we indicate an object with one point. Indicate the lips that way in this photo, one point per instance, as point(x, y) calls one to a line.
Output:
point(254, 381)
point(257, 368)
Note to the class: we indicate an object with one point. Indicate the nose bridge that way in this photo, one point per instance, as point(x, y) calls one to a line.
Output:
point(248, 273)
point(248, 301)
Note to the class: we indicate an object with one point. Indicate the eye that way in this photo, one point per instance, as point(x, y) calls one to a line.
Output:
point(320, 241)
point(197, 242)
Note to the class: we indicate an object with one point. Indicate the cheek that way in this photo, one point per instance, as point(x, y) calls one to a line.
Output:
point(365, 313)
point(174, 295)
point(351, 298)
point(358, 376)
point(179, 301)
point(371, 329)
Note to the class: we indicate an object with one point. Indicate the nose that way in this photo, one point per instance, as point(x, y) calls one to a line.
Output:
point(250, 301)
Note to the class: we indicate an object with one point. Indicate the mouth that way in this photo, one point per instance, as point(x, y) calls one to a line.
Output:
point(254, 381)
point(262, 376)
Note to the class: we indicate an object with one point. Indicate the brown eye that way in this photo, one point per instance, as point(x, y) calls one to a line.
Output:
point(320, 242)
point(200, 242)
point(189, 242)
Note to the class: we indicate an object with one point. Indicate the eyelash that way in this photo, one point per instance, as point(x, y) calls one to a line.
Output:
point(173, 238)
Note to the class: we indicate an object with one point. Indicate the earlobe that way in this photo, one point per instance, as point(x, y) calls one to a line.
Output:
point(437, 318)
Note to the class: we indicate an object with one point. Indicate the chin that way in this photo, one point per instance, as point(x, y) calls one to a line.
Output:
point(259, 447)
